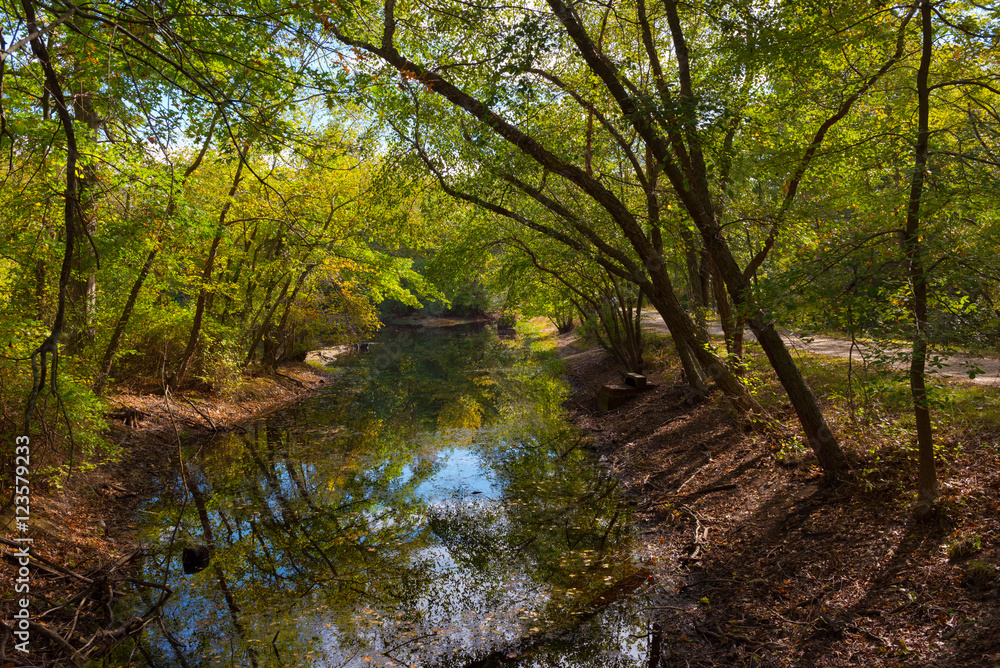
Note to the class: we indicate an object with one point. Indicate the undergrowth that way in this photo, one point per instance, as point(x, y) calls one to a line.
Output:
point(869, 408)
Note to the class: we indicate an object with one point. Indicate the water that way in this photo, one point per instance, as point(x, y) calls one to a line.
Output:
point(431, 508)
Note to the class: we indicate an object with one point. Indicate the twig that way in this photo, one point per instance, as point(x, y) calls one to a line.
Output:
point(76, 617)
point(405, 643)
point(701, 582)
point(294, 380)
point(134, 554)
point(40, 567)
point(902, 606)
point(57, 639)
point(669, 607)
point(693, 475)
point(198, 411)
point(51, 564)
point(700, 534)
point(785, 619)
point(175, 644)
point(711, 490)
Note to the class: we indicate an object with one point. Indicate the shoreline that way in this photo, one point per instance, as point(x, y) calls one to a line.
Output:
point(84, 534)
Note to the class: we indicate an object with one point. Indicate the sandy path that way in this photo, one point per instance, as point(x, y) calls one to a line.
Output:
point(954, 366)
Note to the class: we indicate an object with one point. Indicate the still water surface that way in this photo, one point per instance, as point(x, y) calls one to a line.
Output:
point(431, 508)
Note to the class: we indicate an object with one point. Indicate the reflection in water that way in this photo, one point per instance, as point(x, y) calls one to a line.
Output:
point(432, 509)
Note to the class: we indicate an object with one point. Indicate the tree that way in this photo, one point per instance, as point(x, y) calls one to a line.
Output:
point(674, 116)
point(45, 358)
point(122, 117)
point(927, 475)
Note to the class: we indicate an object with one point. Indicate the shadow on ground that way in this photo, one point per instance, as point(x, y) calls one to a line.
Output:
point(765, 567)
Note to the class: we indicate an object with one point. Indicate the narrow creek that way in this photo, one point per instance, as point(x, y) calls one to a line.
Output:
point(431, 508)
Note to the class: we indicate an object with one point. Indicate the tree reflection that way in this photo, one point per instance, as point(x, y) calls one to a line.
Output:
point(339, 535)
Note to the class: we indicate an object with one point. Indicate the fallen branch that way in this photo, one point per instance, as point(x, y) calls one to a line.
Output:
point(693, 475)
point(58, 640)
point(294, 380)
point(50, 564)
point(198, 411)
point(700, 534)
point(106, 638)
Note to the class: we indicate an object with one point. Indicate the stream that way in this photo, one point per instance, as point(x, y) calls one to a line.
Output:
point(432, 507)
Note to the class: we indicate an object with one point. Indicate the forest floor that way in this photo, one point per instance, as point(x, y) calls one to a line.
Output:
point(84, 533)
point(759, 564)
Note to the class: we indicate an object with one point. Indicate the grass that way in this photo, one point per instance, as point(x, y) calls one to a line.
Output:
point(979, 574)
point(961, 548)
point(869, 408)
point(871, 393)
point(659, 352)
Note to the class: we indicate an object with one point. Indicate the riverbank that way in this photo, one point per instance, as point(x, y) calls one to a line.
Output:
point(760, 565)
point(752, 561)
point(84, 533)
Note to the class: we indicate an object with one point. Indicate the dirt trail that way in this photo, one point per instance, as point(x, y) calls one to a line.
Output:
point(954, 366)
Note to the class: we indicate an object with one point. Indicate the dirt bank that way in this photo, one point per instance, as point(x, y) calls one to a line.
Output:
point(758, 565)
point(84, 535)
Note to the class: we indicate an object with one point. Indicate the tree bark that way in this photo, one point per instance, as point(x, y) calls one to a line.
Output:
point(119, 331)
point(732, 324)
point(50, 347)
point(283, 324)
point(927, 473)
point(206, 280)
point(690, 182)
point(265, 323)
point(697, 301)
point(83, 286)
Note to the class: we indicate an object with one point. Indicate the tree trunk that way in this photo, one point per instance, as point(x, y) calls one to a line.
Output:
point(40, 289)
point(119, 332)
point(830, 456)
point(49, 349)
point(725, 311)
point(283, 324)
point(697, 302)
point(83, 287)
point(265, 323)
point(206, 280)
point(927, 474)
point(701, 355)
point(199, 311)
